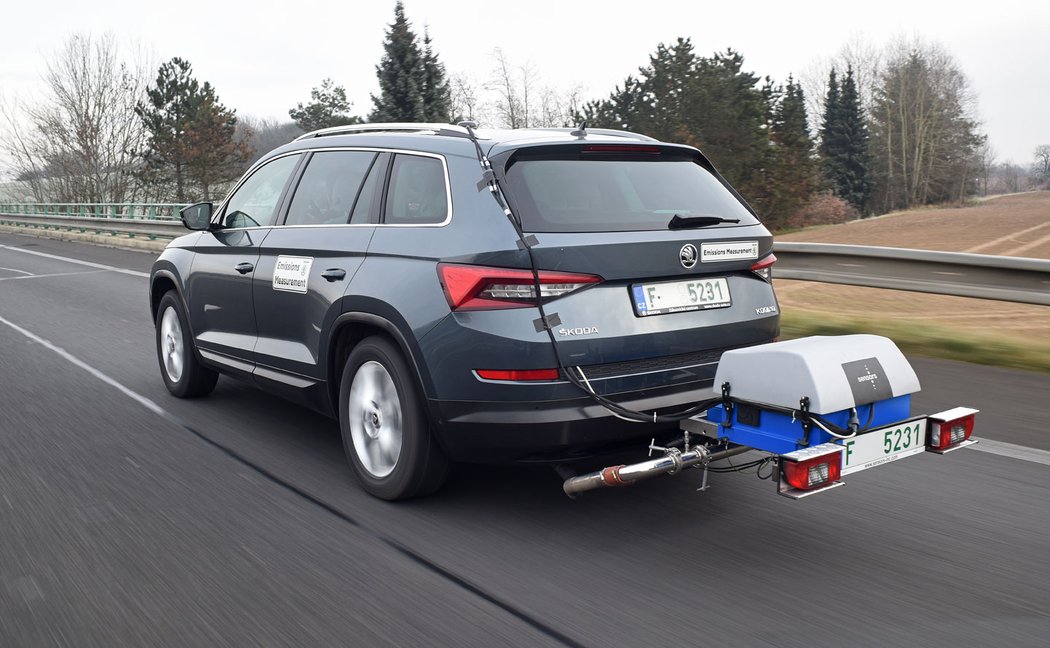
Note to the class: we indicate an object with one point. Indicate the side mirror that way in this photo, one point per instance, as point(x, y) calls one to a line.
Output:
point(197, 217)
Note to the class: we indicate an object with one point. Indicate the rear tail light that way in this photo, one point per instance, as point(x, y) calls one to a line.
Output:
point(810, 469)
point(764, 267)
point(470, 287)
point(948, 430)
point(518, 375)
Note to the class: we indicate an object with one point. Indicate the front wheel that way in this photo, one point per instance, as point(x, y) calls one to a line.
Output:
point(385, 430)
point(183, 374)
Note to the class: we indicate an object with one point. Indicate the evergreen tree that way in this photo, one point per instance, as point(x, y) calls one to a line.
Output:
point(794, 170)
point(437, 96)
point(830, 130)
point(216, 155)
point(328, 107)
point(401, 73)
point(172, 103)
point(844, 142)
point(191, 137)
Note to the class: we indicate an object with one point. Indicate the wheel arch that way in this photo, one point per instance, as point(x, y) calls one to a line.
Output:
point(160, 283)
point(350, 328)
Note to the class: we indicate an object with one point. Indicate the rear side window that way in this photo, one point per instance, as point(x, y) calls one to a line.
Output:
point(329, 188)
point(603, 195)
point(254, 203)
point(417, 193)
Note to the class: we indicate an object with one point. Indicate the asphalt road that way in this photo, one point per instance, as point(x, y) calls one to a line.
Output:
point(129, 517)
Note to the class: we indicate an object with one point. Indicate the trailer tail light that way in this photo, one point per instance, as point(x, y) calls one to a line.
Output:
point(951, 430)
point(469, 287)
point(764, 267)
point(810, 470)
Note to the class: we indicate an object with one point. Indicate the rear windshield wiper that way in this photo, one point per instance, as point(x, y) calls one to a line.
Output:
point(690, 222)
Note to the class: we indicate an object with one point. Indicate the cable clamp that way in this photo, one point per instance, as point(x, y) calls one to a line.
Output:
point(548, 322)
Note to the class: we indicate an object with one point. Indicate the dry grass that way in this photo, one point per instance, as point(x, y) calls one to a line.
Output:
point(988, 332)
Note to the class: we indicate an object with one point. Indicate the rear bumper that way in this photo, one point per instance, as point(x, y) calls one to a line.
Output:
point(553, 431)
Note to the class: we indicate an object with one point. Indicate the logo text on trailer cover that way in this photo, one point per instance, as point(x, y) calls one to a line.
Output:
point(867, 381)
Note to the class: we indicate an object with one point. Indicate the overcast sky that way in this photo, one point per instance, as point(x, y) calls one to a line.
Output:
point(264, 57)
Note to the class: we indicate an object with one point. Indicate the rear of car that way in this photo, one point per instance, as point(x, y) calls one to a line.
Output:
point(378, 273)
point(649, 267)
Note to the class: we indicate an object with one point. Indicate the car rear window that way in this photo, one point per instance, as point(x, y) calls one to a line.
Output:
point(602, 195)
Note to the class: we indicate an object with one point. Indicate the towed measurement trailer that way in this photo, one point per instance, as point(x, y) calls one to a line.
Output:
point(818, 408)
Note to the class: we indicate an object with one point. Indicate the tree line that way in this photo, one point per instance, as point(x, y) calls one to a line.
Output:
point(884, 132)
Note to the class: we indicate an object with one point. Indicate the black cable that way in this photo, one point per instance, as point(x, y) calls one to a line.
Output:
point(616, 409)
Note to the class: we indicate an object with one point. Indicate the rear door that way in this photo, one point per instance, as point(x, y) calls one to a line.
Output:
point(684, 293)
point(307, 262)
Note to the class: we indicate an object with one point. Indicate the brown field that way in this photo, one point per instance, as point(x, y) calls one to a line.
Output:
point(1015, 225)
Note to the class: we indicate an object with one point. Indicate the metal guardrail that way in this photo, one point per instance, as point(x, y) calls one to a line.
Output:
point(131, 211)
point(152, 229)
point(1000, 278)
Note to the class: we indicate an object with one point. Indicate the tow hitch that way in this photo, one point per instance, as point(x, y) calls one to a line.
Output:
point(819, 408)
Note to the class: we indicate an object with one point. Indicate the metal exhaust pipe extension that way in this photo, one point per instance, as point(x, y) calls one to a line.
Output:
point(673, 461)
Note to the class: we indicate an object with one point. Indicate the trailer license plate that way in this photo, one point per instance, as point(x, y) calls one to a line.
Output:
point(884, 445)
point(680, 296)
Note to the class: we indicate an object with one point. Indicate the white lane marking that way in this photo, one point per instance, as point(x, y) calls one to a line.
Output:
point(56, 274)
point(1013, 451)
point(139, 398)
point(100, 266)
point(18, 271)
point(986, 445)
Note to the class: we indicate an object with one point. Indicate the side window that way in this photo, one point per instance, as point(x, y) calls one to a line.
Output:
point(329, 188)
point(254, 203)
point(417, 194)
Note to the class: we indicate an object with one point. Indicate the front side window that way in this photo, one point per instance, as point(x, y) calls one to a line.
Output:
point(418, 193)
point(254, 203)
point(329, 188)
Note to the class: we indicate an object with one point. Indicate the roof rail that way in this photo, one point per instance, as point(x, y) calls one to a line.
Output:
point(403, 127)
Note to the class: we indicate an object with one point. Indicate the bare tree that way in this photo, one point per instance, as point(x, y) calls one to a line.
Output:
point(511, 94)
point(81, 142)
point(1042, 161)
point(520, 101)
point(859, 54)
point(466, 103)
point(924, 133)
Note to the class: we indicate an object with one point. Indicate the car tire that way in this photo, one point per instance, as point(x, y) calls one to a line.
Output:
point(180, 366)
point(386, 433)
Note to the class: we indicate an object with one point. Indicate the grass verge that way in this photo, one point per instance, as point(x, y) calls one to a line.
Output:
point(927, 340)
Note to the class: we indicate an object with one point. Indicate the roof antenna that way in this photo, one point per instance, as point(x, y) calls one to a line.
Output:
point(468, 124)
point(581, 132)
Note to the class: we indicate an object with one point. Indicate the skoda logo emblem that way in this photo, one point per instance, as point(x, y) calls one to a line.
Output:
point(688, 255)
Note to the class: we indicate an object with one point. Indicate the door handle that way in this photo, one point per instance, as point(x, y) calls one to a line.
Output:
point(244, 268)
point(334, 274)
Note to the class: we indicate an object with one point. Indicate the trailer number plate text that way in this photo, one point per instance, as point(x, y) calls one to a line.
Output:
point(884, 445)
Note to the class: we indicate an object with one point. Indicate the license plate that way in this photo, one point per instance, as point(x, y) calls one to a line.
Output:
point(884, 445)
point(680, 296)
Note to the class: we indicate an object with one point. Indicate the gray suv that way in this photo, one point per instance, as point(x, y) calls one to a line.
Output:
point(459, 295)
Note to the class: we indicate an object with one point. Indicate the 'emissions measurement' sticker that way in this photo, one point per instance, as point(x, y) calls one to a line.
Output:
point(292, 273)
point(728, 251)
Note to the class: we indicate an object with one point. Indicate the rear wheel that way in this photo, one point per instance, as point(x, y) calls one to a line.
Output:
point(385, 430)
point(183, 374)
